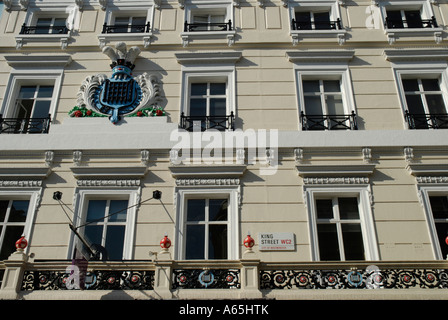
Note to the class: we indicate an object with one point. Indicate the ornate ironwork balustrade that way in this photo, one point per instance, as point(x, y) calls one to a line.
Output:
point(407, 24)
point(329, 122)
point(43, 29)
point(221, 123)
point(354, 279)
point(24, 125)
point(316, 25)
point(426, 121)
point(134, 28)
point(217, 26)
point(206, 279)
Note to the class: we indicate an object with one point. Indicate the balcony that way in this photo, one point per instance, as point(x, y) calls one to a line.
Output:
point(119, 28)
point(316, 25)
point(196, 27)
point(24, 125)
point(418, 23)
point(202, 123)
point(329, 122)
point(426, 121)
point(43, 29)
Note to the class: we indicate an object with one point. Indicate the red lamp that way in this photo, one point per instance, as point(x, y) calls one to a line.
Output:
point(165, 243)
point(22, 243)
point(249, 242)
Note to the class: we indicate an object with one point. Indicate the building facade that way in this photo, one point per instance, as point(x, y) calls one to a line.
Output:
point(223, 149)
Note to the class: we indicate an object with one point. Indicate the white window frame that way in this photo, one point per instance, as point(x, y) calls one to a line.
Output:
point(422, 70)
point(31, 77)
point(140, 9)
point(425, 192)
point(334, 72)
point(211, 74)
point(365, 214)
point(183, 194)
point(34, 196)
point(312, 5)
point(209, 6)
point(424, 6)
point(46, 10)
point(82, 197)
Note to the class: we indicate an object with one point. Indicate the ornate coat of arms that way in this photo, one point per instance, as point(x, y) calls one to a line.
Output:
point(121, 94)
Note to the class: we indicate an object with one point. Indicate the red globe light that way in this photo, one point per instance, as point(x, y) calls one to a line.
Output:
point(249, 242)
point(165, 243)
point(22, 243)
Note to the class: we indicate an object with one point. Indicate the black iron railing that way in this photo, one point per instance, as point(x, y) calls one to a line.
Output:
point(316, 25)
point(120, 28)
point(426, 121)
point(400, 24)
point(219, 26)
point(43, 29)
point(203, 123)
point(329, 122)
point(24, 125)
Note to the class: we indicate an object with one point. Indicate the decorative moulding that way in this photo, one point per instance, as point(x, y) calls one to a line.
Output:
point(431, 180)
point(102, 173)
point(20, 183)
point(320, 56)
point(15, 173)
point(336, 180)
point(419, 170)
point(208, 58)
point(208, 182)
point(307, 171)
point(401, 55)
point(201, 171)
point(21, 61)
point(108, 183)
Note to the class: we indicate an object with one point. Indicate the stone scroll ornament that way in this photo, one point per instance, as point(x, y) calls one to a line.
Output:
point(122, 94)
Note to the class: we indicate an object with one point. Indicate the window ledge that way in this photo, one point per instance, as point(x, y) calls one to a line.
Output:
point(136, 172)
point(27, 38)
point(28, 173)
point(187, 37)
point(299, 34)
point(360, 170)
point(146, 38)
point(201, 171)
point(393, 34)
point(420, 169)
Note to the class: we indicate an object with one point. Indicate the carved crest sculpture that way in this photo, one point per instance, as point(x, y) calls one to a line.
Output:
point(121, 94)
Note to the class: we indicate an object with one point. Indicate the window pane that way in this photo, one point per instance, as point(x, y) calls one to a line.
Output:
point(217, 246)
point(198, 107)
point(19, 210)
point(41, 109)
point(218, 107)
point(328, 242)
point(96, 210)
point(45, 92)
point(121, 20)
point(24, 108)
point(118, 206)
point(27, 92)
point(435, 104)
point(195, 242)
point(410, 85)
point(59, 22)
point(311, 86)
point(303, 20)
point(332, 86)
point(353, 243)
point(12, 234)
point(43, 21)
point(217, 88)
point(313, 106)
point(431, 84)
point(196, 210)
point(94, 234)
point(138, 21)
point(115, 242)
point(439, 207)
point(198, 89)
point(413, 19)
point(334, 104)
point(3, 208)
point(348, 208)
point(415, 105)
point(322, 20)
point(394, 19)
point(442, 233)
point(324, 209)
point(217, 210)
